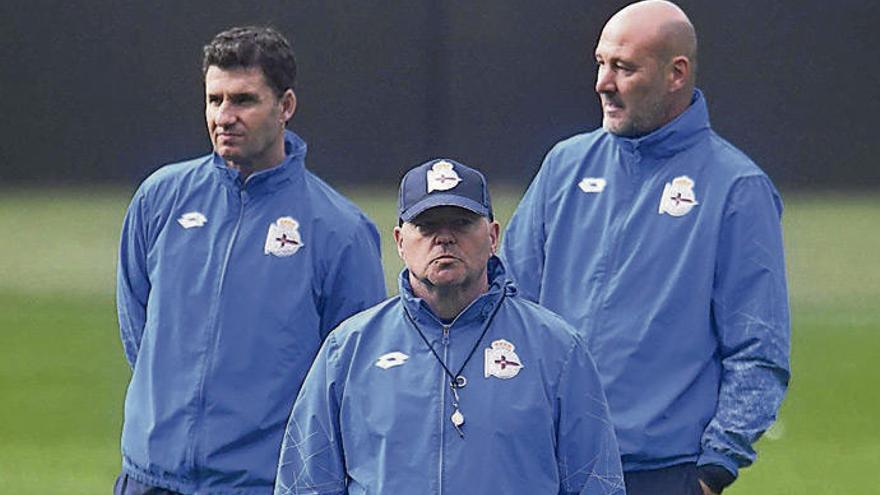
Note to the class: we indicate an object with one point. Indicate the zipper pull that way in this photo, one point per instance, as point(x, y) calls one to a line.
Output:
point(445, 334)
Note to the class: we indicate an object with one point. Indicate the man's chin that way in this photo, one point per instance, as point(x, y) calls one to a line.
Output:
point(228, 153)
point(617, 127)
point(445, 279)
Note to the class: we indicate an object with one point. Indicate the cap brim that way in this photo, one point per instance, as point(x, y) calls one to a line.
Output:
point(436, 200)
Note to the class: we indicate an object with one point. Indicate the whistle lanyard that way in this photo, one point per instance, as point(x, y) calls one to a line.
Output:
point(456, 380)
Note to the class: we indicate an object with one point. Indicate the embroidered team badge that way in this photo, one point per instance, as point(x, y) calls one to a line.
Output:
point(192, 219)
point(283, 238)
point(391, 360)
point(501, 361)
point(678, 197)
point(592, 184)
point(442, 177)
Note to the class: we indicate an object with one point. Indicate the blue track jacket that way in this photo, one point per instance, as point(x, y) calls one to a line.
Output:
point(225, 293)
point(373, 416)
point(665, 252)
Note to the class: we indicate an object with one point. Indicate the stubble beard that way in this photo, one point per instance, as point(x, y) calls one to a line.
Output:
point(651, 117)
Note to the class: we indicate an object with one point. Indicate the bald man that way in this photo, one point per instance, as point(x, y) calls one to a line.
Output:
point(661, 243)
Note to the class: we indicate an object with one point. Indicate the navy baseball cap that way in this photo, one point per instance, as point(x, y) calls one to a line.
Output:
point(443, 182)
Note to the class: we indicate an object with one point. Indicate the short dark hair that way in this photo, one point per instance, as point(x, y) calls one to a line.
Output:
point(253, 46)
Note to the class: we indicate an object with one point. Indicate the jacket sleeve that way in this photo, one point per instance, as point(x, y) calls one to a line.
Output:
point(312, 460)
point(355, 280)
point(522, 247)
point(587, 451)
point(750, 310)
point(132, 281)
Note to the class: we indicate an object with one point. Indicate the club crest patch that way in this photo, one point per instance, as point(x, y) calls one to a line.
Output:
point(391, 360)
point(192, 219)
point(283, 238)
point(501, 361)
point(678, 197)
point(592, 184)
point(442, 177)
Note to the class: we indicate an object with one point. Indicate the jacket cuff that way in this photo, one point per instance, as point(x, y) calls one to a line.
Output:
point(715, 477)
point(710, 456)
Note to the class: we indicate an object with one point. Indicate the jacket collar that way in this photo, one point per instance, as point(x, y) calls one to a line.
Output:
point(679, 134)
point(477, 311)
point(289, 171)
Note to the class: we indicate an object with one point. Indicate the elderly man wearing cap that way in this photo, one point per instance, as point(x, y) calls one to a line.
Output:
point(457, 385)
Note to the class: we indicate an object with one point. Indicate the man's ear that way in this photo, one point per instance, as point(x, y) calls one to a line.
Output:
point(494, 234)
point(288, 105)
point(398, 240)
point(679, 73)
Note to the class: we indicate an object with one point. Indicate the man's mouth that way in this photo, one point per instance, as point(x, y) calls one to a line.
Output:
point(611, 105)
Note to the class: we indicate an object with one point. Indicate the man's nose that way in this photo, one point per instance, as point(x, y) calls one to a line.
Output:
point(225, 115)
point(604, 80)
point(444, 235)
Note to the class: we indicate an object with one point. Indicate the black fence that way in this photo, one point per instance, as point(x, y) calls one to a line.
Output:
point(106, 91)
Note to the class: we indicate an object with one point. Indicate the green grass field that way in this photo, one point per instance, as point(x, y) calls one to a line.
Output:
point(63, 378)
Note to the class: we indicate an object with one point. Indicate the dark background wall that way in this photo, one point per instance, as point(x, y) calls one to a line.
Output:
point(106, 91)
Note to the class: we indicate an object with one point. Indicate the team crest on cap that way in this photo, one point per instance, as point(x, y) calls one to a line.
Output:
point(678, 197)
point(283, 238)
point(592, 184)
point(501, 361)
point(391, 360)
point(442, 177)
point(192, 219)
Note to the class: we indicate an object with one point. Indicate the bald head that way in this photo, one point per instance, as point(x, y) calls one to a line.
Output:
point(657, 26)
point(647, 67)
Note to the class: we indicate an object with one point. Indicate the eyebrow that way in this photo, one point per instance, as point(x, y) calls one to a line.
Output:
point(235, 97)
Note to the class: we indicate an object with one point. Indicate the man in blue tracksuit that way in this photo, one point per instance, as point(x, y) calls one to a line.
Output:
point(233, 268)
point(458, 385)
point(661, 243)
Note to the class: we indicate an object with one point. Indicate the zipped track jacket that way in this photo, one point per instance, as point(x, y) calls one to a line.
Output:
point(374, 414)
point(226, 290)
point(665, 253)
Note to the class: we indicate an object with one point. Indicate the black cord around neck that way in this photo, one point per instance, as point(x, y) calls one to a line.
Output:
point(453, 377)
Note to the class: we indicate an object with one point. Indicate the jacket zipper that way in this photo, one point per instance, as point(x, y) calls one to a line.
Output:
point(445, 341)
point(199, 422)
point(616, 227)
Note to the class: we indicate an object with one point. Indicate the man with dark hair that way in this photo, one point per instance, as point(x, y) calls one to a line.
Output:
point(457, 386)
point(661, 243)
point(233, 267)
point(252, 46)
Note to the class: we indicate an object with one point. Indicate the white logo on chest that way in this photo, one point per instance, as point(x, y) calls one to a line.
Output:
point(500, 360)
point(678, 197)
point(192, 219)
point(391, 360)
point(592, 184)
point(283, 238)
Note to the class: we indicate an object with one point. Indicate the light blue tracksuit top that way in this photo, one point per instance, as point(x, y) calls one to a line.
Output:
point(373, 416)
point(226, 291)
point(665, 252)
